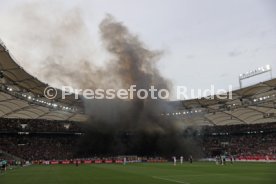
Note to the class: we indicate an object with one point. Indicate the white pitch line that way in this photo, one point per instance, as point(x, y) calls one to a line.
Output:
point(171, 180)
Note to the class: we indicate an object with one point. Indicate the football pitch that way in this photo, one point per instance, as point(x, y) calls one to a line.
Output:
point(143, 173)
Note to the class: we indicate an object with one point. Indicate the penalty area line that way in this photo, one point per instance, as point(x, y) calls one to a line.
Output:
point(171, 180)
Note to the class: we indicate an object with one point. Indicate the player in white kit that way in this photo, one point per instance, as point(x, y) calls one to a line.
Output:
point(174, 160)
point(181, 160)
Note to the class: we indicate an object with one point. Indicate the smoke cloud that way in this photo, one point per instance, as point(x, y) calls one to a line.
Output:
point(69, 57)
point(135, 126)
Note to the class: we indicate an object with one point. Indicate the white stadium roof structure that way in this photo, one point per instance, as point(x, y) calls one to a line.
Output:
point(22, 96)
point(250, 105)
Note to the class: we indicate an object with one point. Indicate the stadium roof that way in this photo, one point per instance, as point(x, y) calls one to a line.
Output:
point(11, 106)
point(16, 75)
point(250, 105)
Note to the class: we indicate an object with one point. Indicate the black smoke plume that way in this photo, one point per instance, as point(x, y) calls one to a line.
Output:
point(132, 127)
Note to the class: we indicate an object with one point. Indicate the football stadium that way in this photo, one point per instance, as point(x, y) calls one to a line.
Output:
point(57, 135)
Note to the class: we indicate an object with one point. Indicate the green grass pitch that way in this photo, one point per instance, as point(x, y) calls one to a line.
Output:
point(144, 173)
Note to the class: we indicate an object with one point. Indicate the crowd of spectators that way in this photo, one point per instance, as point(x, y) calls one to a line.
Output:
point(37, 139)
point(240, 140)
point(39, 147)
point(57, 140)
point(38, 125)
point(239, 129)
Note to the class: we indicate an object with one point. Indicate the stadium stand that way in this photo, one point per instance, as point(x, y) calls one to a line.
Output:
point(258, 140)
point(35, 128)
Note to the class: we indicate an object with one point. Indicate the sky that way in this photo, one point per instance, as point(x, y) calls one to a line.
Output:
point(205, 42)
